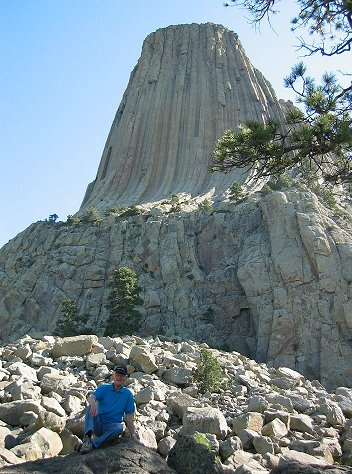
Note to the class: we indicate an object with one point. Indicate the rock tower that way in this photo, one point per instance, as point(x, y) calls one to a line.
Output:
point(190, 84)
point(269, 277)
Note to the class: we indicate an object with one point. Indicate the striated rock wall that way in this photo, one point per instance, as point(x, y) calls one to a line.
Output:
point(270, 277)
point(191, 83)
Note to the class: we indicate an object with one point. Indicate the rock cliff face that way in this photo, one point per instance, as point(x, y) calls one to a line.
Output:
point(270, 277)
point(191, 83)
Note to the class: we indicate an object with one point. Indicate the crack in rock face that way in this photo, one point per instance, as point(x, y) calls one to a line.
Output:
point(191, 83)
point(269, 276)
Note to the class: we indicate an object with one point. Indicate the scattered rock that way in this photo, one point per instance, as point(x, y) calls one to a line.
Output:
point(170, 413)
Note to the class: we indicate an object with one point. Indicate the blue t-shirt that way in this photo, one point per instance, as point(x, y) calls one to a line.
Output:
point(113, 404)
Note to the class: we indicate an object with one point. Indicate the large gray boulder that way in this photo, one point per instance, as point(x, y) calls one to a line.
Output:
point(73, 346)
point(142, 359)
point(43, 443)
point(127, 456)
point(12, 412)
point(297, 468)
point(189, 457)
point(204, 420)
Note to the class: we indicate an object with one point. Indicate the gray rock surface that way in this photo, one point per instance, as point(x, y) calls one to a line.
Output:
point(250, 430)
point(189, 457)
point(296, 468)
point(271, 299)
point(191, 83)
point(269, 277)
point(127, 456)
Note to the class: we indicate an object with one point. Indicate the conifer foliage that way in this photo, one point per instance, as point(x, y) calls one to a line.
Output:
point(316, 136)
point(123, 318)
point(208, 374)
point(71, 323)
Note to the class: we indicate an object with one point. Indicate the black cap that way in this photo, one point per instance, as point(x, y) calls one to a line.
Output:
point(120, 369)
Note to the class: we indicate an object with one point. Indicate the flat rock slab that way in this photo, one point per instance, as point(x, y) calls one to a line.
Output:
point(127, 456)
point(298, 468)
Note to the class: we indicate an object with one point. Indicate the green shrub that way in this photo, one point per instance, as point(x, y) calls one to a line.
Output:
point(327, 196)
point(200, 438)
point(111, 211)
point(73, 220)
point(345, 215)
point(208, 374)
point(175, 203)
point(310, 177)
point(130, 211)
point(236, 192)
point(280, 182)
point(92, 216)
point(266, 189)
point(205, 206)
point(124, 297)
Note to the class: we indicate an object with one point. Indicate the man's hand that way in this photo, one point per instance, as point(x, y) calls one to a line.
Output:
point(93, 405)
point(135, 436)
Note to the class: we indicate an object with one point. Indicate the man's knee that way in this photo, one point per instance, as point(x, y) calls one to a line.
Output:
point(115, 432)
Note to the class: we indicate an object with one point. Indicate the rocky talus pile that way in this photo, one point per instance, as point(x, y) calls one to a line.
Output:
point(263, 419)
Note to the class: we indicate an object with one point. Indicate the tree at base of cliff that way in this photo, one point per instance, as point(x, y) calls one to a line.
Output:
point(71, 322)
point(124, 318)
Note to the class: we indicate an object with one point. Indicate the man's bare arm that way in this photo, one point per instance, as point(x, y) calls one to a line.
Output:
point(130, 425)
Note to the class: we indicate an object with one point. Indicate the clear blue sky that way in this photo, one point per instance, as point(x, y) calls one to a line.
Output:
point(64, 67)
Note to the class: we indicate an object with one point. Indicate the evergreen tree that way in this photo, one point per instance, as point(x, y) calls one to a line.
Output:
point(328, 23)
point(318, 135)
point(53, 217)
point(122, 301)
point(70, 323)
point(205, 206)
point(175, 203)
point(208, 374)
point(236, 192)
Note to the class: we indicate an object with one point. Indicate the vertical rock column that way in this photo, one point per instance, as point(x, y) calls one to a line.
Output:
point(190, 84)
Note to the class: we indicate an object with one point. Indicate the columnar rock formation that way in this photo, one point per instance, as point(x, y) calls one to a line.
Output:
point(190, 84)
point(270, 277)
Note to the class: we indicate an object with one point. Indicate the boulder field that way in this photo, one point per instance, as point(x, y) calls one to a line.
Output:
point(262, 418)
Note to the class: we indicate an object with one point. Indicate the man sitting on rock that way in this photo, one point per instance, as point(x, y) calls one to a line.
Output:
point(108, 405)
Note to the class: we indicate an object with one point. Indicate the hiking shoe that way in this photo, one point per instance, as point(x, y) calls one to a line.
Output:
point(87, 446)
